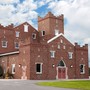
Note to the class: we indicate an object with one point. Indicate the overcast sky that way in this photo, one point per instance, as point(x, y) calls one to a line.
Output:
point(76, 14)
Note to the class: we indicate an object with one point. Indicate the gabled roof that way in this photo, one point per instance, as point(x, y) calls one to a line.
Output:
point(25, 23)
point(52, 39)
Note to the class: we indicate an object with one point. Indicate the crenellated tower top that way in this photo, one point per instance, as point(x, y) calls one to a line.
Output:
point(50, 24)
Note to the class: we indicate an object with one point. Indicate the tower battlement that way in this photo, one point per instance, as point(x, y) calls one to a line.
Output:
point(50, 15)
point(77, 46)
point(7, 27)
point(54, 24)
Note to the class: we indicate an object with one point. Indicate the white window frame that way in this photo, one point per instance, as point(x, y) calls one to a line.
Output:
point(34, 35)
point(43, 33)
point(17, 33)
point(25, 28)
point(16, 45)
point(56, 32)
point(4, 44)
point(64, 47)
point(70, 55)
point(83, 71)
point(13, 68)
point(52, 54)
point(61, 41)
point(40, 68)
point(59, 46)
point(56, 21)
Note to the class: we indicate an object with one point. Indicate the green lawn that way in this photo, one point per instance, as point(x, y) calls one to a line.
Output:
point(78, 84)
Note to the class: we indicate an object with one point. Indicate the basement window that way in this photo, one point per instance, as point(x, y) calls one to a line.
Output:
point(38, 68)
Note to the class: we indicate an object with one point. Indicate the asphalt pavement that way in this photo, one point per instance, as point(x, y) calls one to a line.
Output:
point(10, 84)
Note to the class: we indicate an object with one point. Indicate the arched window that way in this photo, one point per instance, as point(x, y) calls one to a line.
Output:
point(61, 63)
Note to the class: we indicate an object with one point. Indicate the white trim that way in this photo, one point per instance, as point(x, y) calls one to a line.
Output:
point(16, 52)
point(4, 46)
point(54, 37)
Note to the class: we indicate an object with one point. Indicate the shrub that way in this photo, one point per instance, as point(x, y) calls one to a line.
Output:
point(89, 71)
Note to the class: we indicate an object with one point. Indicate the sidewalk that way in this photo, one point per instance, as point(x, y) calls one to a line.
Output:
point(15, 84)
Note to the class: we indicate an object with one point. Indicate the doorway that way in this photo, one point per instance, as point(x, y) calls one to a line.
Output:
point(61, 70)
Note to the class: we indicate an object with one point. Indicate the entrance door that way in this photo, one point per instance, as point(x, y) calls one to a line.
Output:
point(61, 70)
point(61, 73)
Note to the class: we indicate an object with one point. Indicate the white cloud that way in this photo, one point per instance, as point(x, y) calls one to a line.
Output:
point(8, 1)
point(25, 11)
point(77, 14)
point(87, 40)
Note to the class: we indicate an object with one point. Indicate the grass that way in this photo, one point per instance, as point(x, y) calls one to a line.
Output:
point(79, 84)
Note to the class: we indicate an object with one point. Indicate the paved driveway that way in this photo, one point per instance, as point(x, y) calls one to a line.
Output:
point(24, 85)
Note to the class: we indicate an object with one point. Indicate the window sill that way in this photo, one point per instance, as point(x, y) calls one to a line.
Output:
point(70, 58)
point(16, 47)
point(4, 46)
point(38, 72)
point(82, 73)
point(52, 57)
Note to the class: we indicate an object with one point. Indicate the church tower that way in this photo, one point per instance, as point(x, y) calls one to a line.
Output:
point(50, 25)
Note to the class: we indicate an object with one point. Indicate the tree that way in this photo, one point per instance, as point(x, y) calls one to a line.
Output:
point(89, 71)
point(1, 71)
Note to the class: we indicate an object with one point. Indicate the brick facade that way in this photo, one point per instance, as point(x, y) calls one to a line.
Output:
point(42, 55)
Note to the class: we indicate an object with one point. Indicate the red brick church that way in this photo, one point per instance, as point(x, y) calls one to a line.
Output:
point(42, 54)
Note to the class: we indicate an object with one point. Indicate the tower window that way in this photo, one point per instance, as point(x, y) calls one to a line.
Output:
point(25, 28)
point(34, 36)
point(56, 32)
point(4, 44)
point(43, 33)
